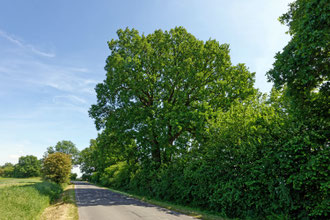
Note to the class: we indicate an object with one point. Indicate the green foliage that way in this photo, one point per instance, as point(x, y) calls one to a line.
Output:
point(117, 175)
point(27, 201)
point(87, 159)
point(57, 167)
point(28, 166)
point(66, 147)
point(7, 170)
point(303, 65)
point(160, 89)
point(73, 176)
point(303, 70)
point(180, 123)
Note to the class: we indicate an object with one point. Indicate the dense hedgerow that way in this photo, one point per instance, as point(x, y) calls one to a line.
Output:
point(253, 165)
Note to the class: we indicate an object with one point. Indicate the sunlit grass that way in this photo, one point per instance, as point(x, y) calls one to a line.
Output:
point(25, 198)
point(18, 181)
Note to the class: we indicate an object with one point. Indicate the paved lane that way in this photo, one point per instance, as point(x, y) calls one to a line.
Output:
point(96, 203)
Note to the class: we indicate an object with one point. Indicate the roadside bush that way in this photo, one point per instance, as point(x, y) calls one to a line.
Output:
point(57, 167)
point(73, 176)
point(86, 177)
point(94, 177)
point(116, 176)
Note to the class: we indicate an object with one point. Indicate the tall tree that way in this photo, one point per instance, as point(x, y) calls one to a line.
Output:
point(303, 65)
point(302, 70)
point(87, 160)
point(160, 89)
point(66, 147)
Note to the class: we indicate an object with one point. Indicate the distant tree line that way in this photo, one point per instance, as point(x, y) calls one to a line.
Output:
point(27, 166)
point(56, 164)
point(178, 122)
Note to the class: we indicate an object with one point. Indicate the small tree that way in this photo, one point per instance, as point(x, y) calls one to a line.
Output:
point(57, 167)
point(7, 170)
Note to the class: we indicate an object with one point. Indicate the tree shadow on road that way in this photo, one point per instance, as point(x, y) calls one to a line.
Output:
point(86, 196)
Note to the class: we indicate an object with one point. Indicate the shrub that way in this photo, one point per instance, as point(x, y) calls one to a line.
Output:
point(117, 175)
point(73, 176)
point(57, 167)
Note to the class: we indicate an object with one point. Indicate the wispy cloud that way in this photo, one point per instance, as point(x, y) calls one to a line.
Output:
point(36, 73)
point(21, 44)
point(69, 98)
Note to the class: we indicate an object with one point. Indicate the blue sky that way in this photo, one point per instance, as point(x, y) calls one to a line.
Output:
point(52, 54)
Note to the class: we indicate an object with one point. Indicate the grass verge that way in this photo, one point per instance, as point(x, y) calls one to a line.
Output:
point(194, 212)
point(63, 208)
point(25, 200)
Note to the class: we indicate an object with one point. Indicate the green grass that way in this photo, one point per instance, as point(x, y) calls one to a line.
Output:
point(18, 181)
point(25, 198)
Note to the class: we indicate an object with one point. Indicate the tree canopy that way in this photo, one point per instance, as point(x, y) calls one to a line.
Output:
point(161, 88)
point(179, 122)
point(303, 65)
point(57, 167)
point(66, 147)
point(28, 166)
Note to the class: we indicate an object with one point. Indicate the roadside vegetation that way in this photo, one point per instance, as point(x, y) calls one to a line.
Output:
point(27, 198)
point(179, 122)
point(63, 208)
point(43, 183)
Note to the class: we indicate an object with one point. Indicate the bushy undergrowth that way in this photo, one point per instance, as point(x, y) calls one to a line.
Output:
point(255, 166)
point(27, 201)
point(179, 123)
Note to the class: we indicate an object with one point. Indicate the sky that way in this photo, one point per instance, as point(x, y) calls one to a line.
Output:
point(52, 54)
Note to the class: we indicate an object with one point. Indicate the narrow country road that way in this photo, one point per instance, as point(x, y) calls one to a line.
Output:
point(96, 203)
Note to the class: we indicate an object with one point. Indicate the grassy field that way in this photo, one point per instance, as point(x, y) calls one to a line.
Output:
point(26, 198)
point(18, 181)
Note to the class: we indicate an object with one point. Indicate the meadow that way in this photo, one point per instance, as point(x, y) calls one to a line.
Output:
point(26, 198)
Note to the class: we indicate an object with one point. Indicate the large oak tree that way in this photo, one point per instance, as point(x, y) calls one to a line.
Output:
point(160, 88)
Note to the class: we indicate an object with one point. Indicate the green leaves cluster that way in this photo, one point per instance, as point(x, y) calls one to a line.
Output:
point(66, 147)
point(27, 166)
point(57, 167)
point(161, 88)
point(7, 170)
point(179, 122)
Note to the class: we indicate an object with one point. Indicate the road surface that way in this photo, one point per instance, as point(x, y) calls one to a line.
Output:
point(96, 203)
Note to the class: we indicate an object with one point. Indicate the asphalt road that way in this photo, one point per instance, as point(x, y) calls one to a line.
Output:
point(96, 203)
